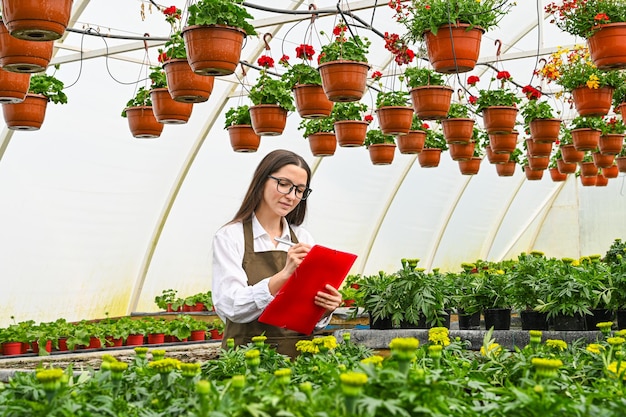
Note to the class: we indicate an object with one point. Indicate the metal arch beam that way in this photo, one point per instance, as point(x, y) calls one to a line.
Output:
point(548, 204)
point(178, 183)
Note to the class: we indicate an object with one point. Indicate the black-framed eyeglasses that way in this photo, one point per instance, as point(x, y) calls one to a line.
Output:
point(284, 186)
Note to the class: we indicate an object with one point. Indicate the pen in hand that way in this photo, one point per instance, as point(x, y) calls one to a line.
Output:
point(286, 242)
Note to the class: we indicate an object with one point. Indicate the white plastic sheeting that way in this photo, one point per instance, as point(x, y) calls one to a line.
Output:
point(93, 221)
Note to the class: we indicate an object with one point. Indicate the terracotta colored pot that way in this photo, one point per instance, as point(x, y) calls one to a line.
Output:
point(243, 138)
point(197, 335)
point(311, 101)
point(17, 55)
point(323, 144)
point(167, 110)
point(611, 143)
point(13, 86)
point(585, 139)
point(545, 130)
point(429, 157)
point(538, 149)
point(533, 174)
point(570, 154)
point(185, 85)
point(459, 130)
point(503, 143)
point(621, 109)
point(588, 169)
point(350, 133)
point(607, 46)
point(27, 115)
point(156, 338)
point(621, 163)
point(497, 158)
point(268, 119)
point(557, 176)
point(454, 48)
point(506, 169)
point(601, 181)
point(461, 151)
point(565, 167)
point(36, 21)
point(394, 120)
point(411, 143)
point(588, 181)
point(382, 153)
point(213, 49)
point(142, 123)
point(610, 172)
point(539, 163)
point(499, 119)
point(602, 160)
point(134, 340)
point(431, 102)
point(215, 334)
point(344, 80)
point(470, 166)
point(593, 102)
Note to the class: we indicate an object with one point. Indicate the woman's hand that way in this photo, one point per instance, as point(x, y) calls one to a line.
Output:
point(295, 256)
point(329, 299)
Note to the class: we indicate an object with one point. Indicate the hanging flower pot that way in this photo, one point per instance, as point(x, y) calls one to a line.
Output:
point(167, 110)
point(395, 120)
point(142, 123)
point(268, 119)
point(571, 155)
point(34, 21)
point(431, 102)
point(557, 176)
point(455, 48)
point(17, 55)
point(610, 172)
point(13, 86)
point(185, 85)
point(381, 153)
point(499, 119)
point(429, 157)
point(503, 143)
point(458, 130)
point(411, 143)
point(588, 181)
point(461, 151)
point(601, 181)
point(620, 161)
point(585, 139)
point(533, 174)
point(27, 115)
point(350, 133)
point(545, 130)
point(592, 101)
point(588, 169)
point(607, 46)
point(538, 149)
point(565, 167)
point(497, 158)
point(470, 166)
point(323, 143)
point(611, 143)
point(603, 160)
point(213, 49)
point(344, 80)
point(243, 138)
point(311, 101)
point(539, 163)
point(506, 169)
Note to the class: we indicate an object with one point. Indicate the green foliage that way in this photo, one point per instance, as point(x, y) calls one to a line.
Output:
point(498, 97)
point(239, 115)
point(613, 125)
point(220, 12)
point(268, 90)
point(376, 136)
point(157, 76)
point(48, 86)
point(175, 47)
point(392, 98)
point(584, 122)
point(352, 110)
point(579, 18)
point(435, 139)
point(312, 126)
point(458, 111)
point(301, 74)
point(536, 109)
point(418, 77)
point(142, 98)
point(341, 47)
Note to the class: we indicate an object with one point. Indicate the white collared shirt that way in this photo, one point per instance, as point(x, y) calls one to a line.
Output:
point(233, 298)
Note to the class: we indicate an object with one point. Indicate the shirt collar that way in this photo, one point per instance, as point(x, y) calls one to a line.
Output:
point(258, 230)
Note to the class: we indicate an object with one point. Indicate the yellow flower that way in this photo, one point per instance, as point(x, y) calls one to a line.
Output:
point(375, 360)
point(593, 82)
point(307, 346)
point(594, 348)
point(621, 333)
point(615, 341)
point(259, 341)
point(439, 336)
point(164, 366)
point(493, 348)
point(546, 367)
point(557, 344)
point(434, 351)
point(352, 383)
point(614, 372)
point(189, 370)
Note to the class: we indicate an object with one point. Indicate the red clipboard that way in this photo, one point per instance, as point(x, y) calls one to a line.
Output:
point(293, 306)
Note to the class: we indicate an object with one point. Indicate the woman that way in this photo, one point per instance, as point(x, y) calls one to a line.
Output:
point(250, 266)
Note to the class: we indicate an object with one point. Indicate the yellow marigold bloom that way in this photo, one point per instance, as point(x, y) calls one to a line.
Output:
point(536, 253)
point(615, 341)
point(259, 341)
point(118, 367)
point(283, 376)
point(575, 263)
point(567, 260)
point(594, 348)
point(306, 346)
point(468, 266)
point(535, 333)
point(605, 325)
point(546, 367)
point(141, 351)
point(238, 381)
point(434, 351)
point(404, 343)
point(593, 82)
point(164, 366)
point(158, 354)
point(557, 344)
point(595, 256)
point(439, 336)
point(494, 348)
point(499, 271)
point(419, 269)
point(49, 375)
point(352, 383)
point(108, 358)
point(375, 360)
point(189, 370)
point(614, 372)
point(621, 333)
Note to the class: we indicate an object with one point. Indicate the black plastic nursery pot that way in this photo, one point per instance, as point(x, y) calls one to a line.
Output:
point(621, 319)
point(598, 315)
point(469, 321)
point(534, 320)
point(380, 324)
point(575, 322)
point(498, 318)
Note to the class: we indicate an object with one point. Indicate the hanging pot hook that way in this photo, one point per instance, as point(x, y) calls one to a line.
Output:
point(498, 43)
point(312, 6)
point(267, 38)
point(145, 42)
point(243, 68)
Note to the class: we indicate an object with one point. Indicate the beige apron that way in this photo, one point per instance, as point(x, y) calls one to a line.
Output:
point(260, 265)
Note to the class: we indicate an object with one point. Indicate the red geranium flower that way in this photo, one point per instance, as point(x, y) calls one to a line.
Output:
point(425, 126)
point(601, 17)
point(339, 29)
point(162, 57)
point(305, 51)
point(376, 75)
point(172, 11)
point(427, 7)
point(472, 80)
point(531, 92)
point(472, 99)
point(503, 75)
point(284, 60)
point(368, 118)
point(265, 61)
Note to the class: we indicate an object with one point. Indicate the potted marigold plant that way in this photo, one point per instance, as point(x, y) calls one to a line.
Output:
point(601, 22)
point(452, 29)
point(343, 65)
point(272, 100)
point(321, 135)
point(242, 136)
point(306, 84)
point(214, 35)
point(430, 95)
point(351, 123)
point(381, 147)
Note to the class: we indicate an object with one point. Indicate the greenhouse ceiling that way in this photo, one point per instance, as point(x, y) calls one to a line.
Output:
point(97, 222)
